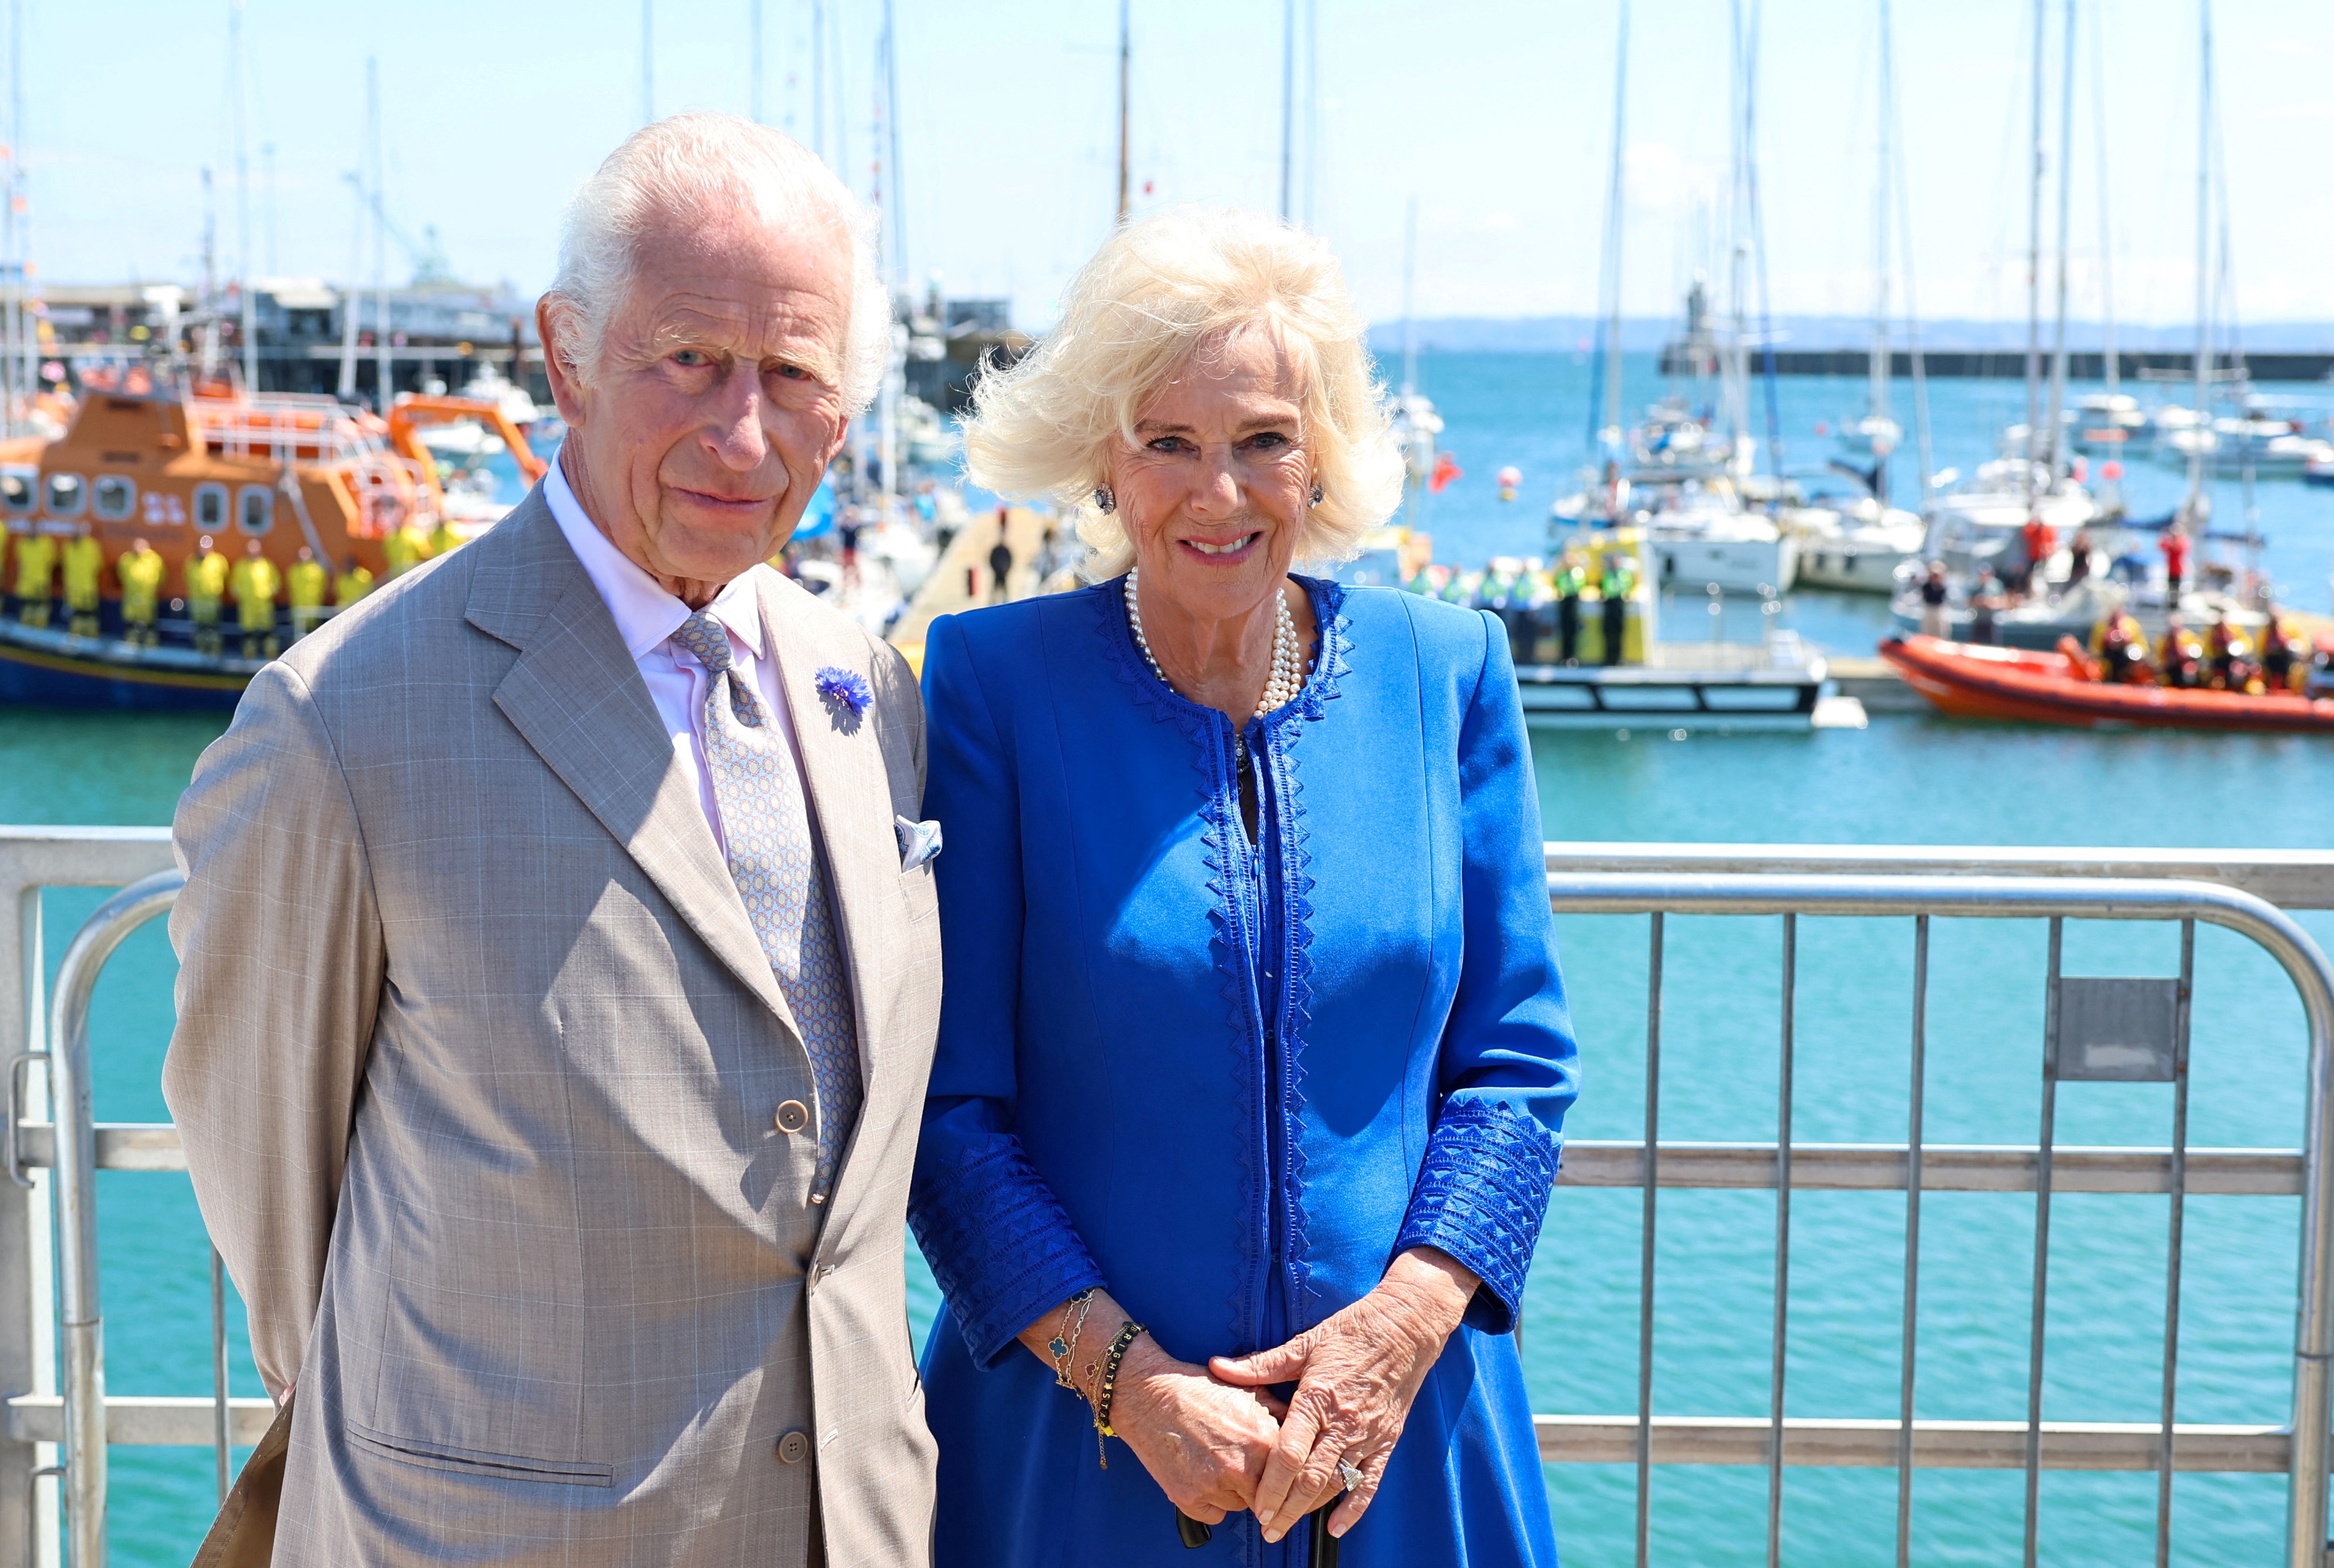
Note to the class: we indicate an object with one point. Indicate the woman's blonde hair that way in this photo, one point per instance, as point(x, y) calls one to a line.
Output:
point(1158, 292)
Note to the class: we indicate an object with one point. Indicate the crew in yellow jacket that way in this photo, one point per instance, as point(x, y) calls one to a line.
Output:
point(140, 572)
point(443, 540)
point(303, 585)
point(352, 584)
point(84, 565)
point(407, 548)
point(255, 582)
point(205, 588)
point(37, 570)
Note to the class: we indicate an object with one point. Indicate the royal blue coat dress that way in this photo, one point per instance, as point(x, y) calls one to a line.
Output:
point(1231, 1081)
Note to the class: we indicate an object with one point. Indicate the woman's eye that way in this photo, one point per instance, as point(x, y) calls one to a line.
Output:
point(1268, 441)
point(1170, 444)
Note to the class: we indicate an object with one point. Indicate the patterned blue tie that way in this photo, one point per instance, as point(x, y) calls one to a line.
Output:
point(767, 824)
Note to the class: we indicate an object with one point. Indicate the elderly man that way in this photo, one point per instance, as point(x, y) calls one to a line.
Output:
point(559, 972)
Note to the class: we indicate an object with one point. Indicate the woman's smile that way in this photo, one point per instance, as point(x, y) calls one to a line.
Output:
point(1229, 552)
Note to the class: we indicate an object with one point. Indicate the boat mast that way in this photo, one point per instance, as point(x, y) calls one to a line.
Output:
point(1904, 245)
point(1738, 357)
point(647, 61)
point(2054, 446)
point(1126, 57)
point(247, 327)
point(1608, 370)
point(384, 372)
point(2202, 432)
point(2107, 229)
point(1312, 105)
point(1409, 296)
point(2034, 276)
point(1287, 98)
point(1882, 366)
point(16, 377)
point(754, 77)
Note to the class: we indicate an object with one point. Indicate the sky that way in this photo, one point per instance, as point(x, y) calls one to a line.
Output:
point(1495, 116)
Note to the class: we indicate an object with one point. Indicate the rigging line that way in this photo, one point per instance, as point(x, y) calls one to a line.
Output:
point(1912, 302)
point(1604, 394)
point(2066, 219)
point(1759, 235)
point(2112, 359)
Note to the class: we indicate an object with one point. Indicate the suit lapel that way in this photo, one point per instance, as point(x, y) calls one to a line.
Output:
point(849, 792)
point(577, 698)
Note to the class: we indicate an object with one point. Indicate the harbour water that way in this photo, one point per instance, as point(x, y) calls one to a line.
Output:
point(1905, 780)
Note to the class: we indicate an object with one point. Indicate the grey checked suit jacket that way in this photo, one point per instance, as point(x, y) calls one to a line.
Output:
point(477, 1065)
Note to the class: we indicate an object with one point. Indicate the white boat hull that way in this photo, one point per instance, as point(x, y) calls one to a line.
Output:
point(1850, 568)
point(1735, 565)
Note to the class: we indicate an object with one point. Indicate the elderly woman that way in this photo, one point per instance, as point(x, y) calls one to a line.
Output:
point(1254, 1057)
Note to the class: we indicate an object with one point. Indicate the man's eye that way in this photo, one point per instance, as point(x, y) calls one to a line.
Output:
point(692, 359)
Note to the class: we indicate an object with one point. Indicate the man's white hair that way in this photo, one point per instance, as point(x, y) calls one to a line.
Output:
point(1161, 293)
point(687, 171)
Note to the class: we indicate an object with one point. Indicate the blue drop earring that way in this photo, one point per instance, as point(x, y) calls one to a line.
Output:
point(1103, 500)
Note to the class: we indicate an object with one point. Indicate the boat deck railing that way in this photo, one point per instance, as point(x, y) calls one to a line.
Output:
point(59, 1418)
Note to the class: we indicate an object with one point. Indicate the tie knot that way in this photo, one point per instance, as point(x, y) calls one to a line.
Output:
point(703, 636)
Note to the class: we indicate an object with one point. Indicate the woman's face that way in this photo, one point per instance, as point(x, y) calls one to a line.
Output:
point(1218, 482)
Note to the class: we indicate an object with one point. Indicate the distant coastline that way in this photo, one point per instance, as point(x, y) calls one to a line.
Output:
point(1648, 334)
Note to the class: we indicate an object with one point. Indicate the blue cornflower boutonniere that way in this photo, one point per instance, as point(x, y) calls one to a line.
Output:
point(845, 688)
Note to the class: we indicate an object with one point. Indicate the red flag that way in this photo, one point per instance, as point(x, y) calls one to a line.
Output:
point(1446, 470)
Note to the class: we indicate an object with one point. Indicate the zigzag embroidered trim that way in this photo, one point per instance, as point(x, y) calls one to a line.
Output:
point(993, 1218)
point(1481, 1196)
point(1209, 735)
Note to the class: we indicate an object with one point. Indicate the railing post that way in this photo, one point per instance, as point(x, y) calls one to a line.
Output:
point(82, 1318)
point(27, 1346)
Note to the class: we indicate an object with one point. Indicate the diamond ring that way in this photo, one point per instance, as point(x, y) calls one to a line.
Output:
point(1349, 1473)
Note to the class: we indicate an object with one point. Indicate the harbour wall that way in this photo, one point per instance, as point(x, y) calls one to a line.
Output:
point(2009, 364)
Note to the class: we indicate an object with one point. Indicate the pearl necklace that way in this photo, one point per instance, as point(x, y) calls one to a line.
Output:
point(1287, 677)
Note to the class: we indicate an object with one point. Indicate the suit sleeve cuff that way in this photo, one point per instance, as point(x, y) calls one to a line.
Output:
point(1481, 1195)
point(1002, 1247)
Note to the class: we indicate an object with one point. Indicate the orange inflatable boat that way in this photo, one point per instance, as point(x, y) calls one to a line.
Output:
point(1971, 681)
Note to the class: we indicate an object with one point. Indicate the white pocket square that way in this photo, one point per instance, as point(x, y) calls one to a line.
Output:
point(919, 841)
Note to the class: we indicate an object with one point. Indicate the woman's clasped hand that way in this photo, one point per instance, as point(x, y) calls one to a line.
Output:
point(1219, 1440)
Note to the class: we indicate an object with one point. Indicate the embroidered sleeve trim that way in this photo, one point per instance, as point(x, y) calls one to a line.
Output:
point(1481, 1196)
point(1000, 1244)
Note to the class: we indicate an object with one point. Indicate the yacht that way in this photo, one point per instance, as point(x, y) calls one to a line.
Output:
point(1856, 547)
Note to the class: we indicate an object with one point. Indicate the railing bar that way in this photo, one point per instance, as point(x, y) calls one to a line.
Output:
point(1645, 1260)
point(2172, 1241)
point(2041, 1243)
point(1915, 1120)
point(220, 1414)
point(1782, 1247)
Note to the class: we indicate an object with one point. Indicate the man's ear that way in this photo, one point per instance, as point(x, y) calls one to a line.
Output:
point(835, 447)
point(552, 321)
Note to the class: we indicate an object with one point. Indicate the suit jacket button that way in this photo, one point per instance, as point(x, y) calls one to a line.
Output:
point(793, 1116)
point(793, 1448)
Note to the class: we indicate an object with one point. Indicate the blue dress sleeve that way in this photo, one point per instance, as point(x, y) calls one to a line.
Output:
point(1508, 1068)
point(999, 1241)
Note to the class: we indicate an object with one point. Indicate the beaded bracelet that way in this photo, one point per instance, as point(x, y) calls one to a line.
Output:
point(1127, 1333)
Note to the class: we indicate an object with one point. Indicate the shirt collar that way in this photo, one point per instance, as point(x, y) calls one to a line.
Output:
point(646, 616)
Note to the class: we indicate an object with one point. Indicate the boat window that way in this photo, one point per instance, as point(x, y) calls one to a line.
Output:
point(116, 497)
point(257, 514)
point(210, 508)
point(17, 492)
point(66, 493)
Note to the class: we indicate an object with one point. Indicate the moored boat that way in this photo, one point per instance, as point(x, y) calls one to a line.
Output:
point(1970, 681)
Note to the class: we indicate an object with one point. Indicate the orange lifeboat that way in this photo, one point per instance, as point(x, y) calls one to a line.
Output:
point(1971, 681)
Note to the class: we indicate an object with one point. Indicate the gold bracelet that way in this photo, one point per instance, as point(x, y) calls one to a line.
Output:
point(1064, 1350)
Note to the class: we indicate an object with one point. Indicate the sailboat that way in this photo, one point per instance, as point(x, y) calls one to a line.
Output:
point(1860, 547)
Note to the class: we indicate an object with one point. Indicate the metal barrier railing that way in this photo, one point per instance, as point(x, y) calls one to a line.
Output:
point(43, 1043)
point(2130, 1030)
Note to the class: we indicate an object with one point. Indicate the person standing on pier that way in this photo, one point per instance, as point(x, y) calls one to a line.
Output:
point(85, 563)
point(205, 574)
point(254, 582)
point(303, 587)
point(140, 571)
point(36, 577)
point(560, 959)
point(353, 583)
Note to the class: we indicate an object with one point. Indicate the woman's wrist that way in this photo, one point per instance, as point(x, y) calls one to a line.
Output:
point(1433, 1289)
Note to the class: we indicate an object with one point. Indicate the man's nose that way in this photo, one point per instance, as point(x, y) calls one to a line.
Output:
point(734, 429)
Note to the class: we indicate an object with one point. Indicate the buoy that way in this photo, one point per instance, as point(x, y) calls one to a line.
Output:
point(2111, 470)
point(1510, 479)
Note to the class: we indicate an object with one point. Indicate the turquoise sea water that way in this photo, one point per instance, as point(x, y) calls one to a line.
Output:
point(1905, 780)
